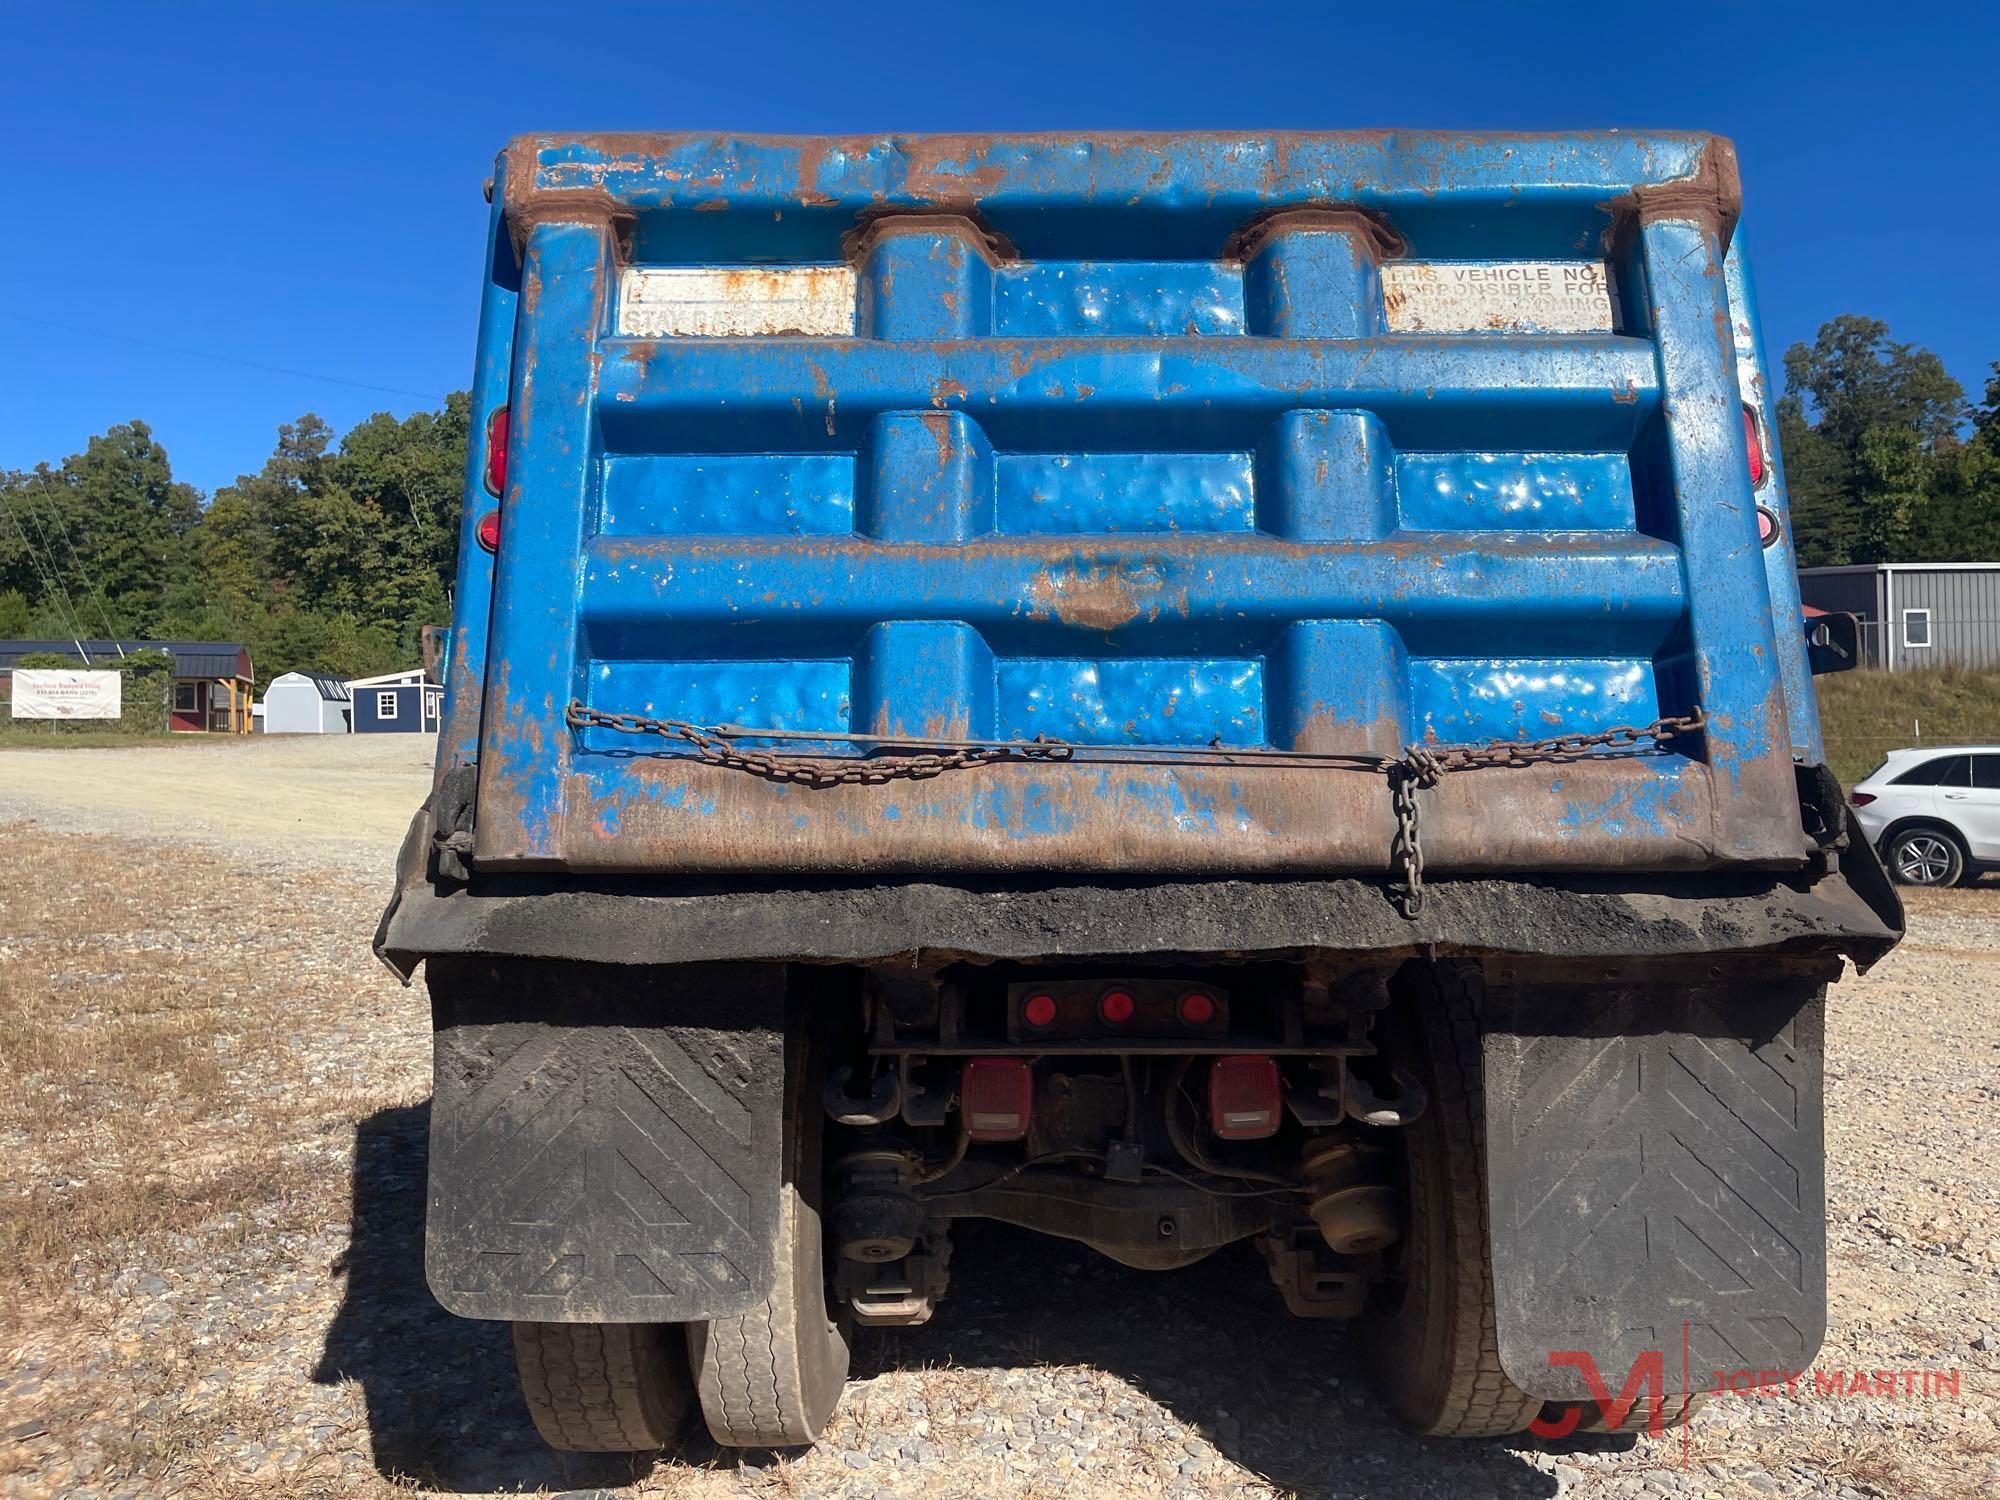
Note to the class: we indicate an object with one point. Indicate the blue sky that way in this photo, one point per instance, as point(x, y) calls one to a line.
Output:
point(297, 187)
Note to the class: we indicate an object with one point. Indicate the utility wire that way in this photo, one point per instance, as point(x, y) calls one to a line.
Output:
point(76, 561)
point(50, 584)
point(55, 570)
point(223, 359)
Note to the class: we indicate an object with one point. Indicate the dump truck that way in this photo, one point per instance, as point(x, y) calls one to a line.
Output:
point(1196, 694)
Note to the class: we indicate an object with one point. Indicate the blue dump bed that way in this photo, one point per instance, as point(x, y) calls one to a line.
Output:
point(1124, 504)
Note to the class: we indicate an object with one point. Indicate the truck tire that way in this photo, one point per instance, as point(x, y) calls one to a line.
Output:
point(1431, 1332)
point(1679, 1411)
point(605, 1387)
point(770, 1378)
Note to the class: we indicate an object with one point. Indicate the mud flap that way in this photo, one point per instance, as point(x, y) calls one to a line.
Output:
point(605, 1141)
point(1656, 1177)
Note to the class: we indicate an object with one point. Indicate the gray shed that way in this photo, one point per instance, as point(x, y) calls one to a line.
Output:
point(1915, 614)
point(307, 703)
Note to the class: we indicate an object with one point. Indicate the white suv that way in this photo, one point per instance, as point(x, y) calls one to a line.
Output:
point(1934, 813)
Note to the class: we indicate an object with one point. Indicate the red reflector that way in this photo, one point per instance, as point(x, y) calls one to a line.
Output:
point(489, 531)
point(1039, 1010)
point(997, 1095)
point(1197, 1009)
point(1767, 526)
point(1861, 799)
point(1244, 1098)
point(496, 452)
point(1116, 1007)
point(1755, 444)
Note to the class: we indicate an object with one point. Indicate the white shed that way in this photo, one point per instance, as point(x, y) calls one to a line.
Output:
point(307, 703)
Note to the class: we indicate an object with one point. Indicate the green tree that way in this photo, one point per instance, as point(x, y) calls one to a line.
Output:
point(1826, 521)
point(1986, 419)
point(1871, 435)
point(125, 520)
point(332, 557)
point(1960, 520)
point(1855, 377)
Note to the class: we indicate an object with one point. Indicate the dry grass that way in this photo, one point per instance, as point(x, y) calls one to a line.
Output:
point(119, 1058)
point(1866, 714)
point(155, 1024)
point(70, 736)
point(186, 1047)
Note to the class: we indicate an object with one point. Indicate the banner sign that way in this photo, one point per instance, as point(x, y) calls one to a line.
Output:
point(60, 693)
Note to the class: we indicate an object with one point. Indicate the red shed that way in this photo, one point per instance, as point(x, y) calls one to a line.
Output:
point(212, 686)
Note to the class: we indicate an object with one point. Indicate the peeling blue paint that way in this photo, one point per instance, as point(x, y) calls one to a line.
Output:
point(1122, 451)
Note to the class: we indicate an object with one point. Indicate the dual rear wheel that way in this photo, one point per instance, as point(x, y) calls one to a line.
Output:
point(767, 1378)
point(770, 1377)
point(1432, 1332)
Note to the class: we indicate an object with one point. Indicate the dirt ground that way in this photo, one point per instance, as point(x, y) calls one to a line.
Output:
point(303, 798)
point(213, 1106)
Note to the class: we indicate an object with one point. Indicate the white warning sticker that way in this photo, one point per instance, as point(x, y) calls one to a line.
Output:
point(1513, 296)
point(736, 302)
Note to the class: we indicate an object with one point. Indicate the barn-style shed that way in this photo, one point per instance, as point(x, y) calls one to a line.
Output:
point(307, 703)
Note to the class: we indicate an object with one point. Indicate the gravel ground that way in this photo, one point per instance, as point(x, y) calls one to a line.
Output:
point(308, 801)
point(213, 1113)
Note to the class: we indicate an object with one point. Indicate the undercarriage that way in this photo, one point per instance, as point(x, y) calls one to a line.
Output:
point(1154, 1117)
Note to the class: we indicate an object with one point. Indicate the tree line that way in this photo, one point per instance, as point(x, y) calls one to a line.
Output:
point(331, 557)
point(1885, 458)
point(334, 556)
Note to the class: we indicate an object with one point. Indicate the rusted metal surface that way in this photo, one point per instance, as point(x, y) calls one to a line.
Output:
point(1712, 197)
point(666, 813)
point(920, 926)
point(1116, 447)
point(1220, 183)
point(1418, 769)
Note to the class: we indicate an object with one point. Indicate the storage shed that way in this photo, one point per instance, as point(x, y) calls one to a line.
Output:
point(396, 703)
point(212, 686)
point(1915, 614)
point(307, 703)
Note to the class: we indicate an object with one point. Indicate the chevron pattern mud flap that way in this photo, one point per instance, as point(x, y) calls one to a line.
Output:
point(1655, 1173)
point(619, 1164)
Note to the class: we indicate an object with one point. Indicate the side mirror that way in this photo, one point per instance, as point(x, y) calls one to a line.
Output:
point(1833, 643)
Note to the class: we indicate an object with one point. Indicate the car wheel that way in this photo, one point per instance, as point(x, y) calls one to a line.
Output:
point(1925, 856)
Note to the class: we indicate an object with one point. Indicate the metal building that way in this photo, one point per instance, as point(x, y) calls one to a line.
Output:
point(1915, 614)
point(307, 703)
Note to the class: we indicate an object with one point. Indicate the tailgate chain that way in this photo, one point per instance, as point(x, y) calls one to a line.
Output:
point(1418, 768)
point(715, 745)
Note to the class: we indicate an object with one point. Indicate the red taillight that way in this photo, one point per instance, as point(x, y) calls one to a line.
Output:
point(1755, 443)
point(1767, 526)
point(1244, 1098)
point(1116, 1006)
point(1039, 1010)
point(488, 531)
point(496, 452)
point(997, 1095)
point(1861, 799)
point(1197, 1008)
